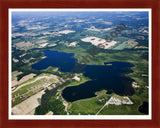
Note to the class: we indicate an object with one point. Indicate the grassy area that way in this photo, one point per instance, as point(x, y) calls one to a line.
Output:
point(122, 46)
point(100, 93)
point(118, 97)
point(120, 110)
point(76, 83)
point(85, 107)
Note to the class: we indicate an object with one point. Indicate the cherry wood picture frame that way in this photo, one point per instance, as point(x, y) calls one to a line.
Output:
point(106, 4)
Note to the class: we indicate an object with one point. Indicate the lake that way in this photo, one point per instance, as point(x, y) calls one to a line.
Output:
point(110, 76)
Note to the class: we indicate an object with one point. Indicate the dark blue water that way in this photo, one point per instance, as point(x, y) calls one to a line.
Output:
point(106, 77)
point(64, 61)
point(144, 108)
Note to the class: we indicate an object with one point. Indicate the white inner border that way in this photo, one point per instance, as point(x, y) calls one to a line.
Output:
point(82, 117)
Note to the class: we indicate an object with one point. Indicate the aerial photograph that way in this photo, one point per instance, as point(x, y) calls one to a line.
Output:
point(76, 62)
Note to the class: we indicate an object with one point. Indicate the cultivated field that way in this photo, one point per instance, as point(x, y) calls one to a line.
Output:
point(23, 44)
point(96, 41)
point(65, 31)
point(28, 105)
